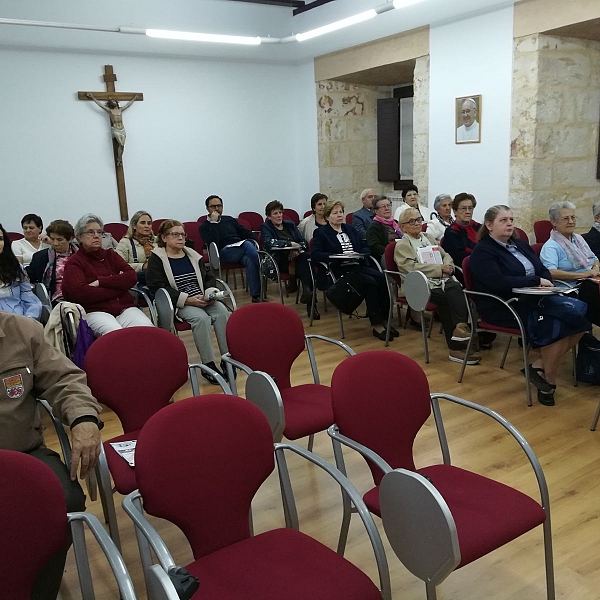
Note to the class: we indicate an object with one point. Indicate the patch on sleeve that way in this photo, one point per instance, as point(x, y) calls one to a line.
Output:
point(14, 386)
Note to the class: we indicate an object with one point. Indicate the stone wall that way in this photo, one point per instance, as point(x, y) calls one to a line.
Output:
point(347, 122)
point(421, 128)
point(555, 118)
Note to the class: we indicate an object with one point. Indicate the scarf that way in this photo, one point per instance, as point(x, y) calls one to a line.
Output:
point(471, 230)
point(444, 222)
point(577, 250)
point(389, 223)
point(146, 242)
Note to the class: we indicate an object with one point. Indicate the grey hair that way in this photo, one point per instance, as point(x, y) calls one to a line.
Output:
point(439, 199)
point(596, 209)
point(365, 192)
point(554, 210)
point(134, 221)
point(411, 210)
point(378, 199)
point(472, 101)
point(84, 221)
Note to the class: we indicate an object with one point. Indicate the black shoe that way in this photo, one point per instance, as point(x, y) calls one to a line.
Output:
point(306, 296)
point(316, 313)
point(546, 398)
point(414, 324)
point(381, 336)
point(208, 376)
point(486, 339)
point(394, 332)
point(255, 299)
point(538, 381)
point(226, 373)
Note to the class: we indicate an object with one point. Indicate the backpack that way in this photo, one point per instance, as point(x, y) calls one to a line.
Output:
point(588, 360)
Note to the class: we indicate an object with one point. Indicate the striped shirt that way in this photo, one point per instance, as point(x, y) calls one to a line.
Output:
point(185, 276)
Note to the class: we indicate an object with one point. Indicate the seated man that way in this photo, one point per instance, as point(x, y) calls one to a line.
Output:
point(362, 218)
point(30, 368)
point(233, 241)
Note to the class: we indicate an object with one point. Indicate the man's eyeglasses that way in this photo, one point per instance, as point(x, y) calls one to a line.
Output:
point(93, 232)
point(178, 234)
point(416, 221)
point(216, 206)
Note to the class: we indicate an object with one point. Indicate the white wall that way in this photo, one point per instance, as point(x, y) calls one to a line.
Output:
point(471, 57)
point(245, 131)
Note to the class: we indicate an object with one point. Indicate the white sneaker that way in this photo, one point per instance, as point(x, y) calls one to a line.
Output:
point(461, 333)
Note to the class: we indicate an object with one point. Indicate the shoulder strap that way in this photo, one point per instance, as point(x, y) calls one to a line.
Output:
point(133, 250)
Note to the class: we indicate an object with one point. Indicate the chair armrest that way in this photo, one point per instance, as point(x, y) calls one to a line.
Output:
point(334, 433)
point(229, 363)
point(140, 292)
point(311, 353)
point(506, 303)
point(229, 294)
point(514, 432)
point(194, 378)
point(349, 490)
point(262, 391)
point(108, 547)
point(165, 312)
point(146, 528)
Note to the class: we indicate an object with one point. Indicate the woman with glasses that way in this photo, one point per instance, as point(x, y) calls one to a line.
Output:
point(460, 238)
point(99, 280)
point(410, 196)
point(441, 219)
point(446, 292)
point(570, 260)
point(383, 229)
point(182, 273)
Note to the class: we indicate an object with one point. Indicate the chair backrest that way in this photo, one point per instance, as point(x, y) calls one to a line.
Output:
point(381, 400)
point(254, 218)
point(307, 214)
point(291, 215)
point(349, 218)
point(263, 392)
point(117, 230)
point(191, 229)
point(156, 224)
point(521, 234)
point(416, 290)
point(33, 521)
point(229, 443)
point(202, 219)
point(467, 278)
point(13, 236)
point(537, 248)
point(390, 263)
point(542, 230)
point(135, 371)
point(267, 337)
point(245, 223)
point(424, 226)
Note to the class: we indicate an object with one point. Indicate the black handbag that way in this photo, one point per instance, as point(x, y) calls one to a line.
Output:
point(588, 360)
point(347, 293)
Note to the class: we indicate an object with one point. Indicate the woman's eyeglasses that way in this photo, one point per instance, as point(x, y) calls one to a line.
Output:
point(416, 221)
point(178, 234)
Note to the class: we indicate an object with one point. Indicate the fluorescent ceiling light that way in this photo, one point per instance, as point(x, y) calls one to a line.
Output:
point(405, 3)
point(364, 16)
point(203, 37)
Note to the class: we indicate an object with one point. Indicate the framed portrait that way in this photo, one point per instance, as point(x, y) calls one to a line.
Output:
point(467, 125)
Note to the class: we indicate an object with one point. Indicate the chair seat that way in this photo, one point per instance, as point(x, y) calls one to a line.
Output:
point(307, 410)
point(182, 325)
point(123, 475)
point(488, 514)
point(230, 265)
point(499, 328)
point(278, 564)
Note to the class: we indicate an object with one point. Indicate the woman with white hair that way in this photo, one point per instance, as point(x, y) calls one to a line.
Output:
point(436, 226)
point(569, 258)
point(99, 280)
point(593, 235)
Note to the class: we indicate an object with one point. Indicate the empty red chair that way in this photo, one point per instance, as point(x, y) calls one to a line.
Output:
point(521, 234)
point(291, 215)
point(542, 230)
point(253, 218)
point(13, 236)
point(537, 248)
point(349, 218)
point(156, 224)
point(191, 229)
point(117, 230)
point(307, 214)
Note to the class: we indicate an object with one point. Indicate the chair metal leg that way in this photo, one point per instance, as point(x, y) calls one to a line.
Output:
point(107, 499)
point(430, 589)
point(549, 559)
point(430, 328)
point(505, 352)
point(341, 320)
point(526, 366)
point(574, 354)
point(81, 559)
point(346, 504)
point(311, 441)
point(467, 352)
point(596, 417)
point(281, 292)
point(424, 331)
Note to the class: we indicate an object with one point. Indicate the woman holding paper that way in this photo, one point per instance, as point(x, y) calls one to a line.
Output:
point(419, 252)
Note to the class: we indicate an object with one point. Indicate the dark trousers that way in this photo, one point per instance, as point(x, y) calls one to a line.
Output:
point(589, 292)
point(452, 310)
point(302, 266)
point(48, 582)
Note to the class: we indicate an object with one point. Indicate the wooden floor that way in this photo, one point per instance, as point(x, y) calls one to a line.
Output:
point(560, 436)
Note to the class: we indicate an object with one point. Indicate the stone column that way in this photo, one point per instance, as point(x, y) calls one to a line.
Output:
point(421, 128)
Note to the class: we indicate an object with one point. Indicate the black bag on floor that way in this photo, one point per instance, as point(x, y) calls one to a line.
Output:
point(347, 293)
point(588, 359)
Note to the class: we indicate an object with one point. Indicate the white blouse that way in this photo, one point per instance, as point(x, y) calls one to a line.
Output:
point(24, 250)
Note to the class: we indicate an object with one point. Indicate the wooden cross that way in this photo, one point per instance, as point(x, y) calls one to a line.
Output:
point(111, 94)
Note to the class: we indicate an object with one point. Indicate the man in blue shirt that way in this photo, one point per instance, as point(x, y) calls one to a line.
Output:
point(362, 218)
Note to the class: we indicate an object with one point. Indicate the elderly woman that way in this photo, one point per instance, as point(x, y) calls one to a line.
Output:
point(48, 266)
point(15, 290)
point(569, 258)
point(25, 248)
point(181, 271)
point(410, 195)
point(437, 225)
point(338, 238)
point(383, 229)
point(446, 292)
point(99, 280)
point(137, 245)
point(593, 235)
point(308, 225)
point(501, 262)
point(460, 238)
point(277, 233)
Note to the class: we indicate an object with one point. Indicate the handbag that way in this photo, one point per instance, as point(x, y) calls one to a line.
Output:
point(587, 364)
point(566, 308)
point(553, 317)
point(347, 293)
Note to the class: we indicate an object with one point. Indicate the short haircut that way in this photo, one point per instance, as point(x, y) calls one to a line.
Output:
point(164, 228)
point(365, 192)
point(32, 218)
point(273, 205)
point(405, 214)
point(134, 221)
point(378, 199)
point(62, 228)
point(316, 197)
point(84, 221)
point(596, 209)
point(554, 210)
point(490, 216)
point(439, 199)
point(331, 204)
point(461, 198)
point(212, 197)
point(410, 188)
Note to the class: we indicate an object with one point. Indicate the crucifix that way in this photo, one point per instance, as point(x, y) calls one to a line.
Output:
point(115, 112)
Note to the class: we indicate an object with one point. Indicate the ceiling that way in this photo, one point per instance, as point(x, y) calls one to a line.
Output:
point(218, 16)
point(588, 30)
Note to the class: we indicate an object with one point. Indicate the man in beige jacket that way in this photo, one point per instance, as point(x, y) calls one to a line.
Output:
point(31, 368)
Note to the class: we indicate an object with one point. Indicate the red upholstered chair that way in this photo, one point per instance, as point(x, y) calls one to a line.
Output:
point(202, 219)
point(307, 214)
point(487, 514)
point(191, 229)
point(537, 248)
point(521, 234)
point(542, 230)
point(204, 485)
point(117, 230)
point(307, 407)
point(13, 236)
point(156, 224)
point(289, 214)
point(349, 218)
point(254, 219)
point(244, 223)
point(35, 527)
point(511, 332)
point(134, 372)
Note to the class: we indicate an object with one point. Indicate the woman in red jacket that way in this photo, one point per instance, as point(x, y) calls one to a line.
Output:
point(99, 280)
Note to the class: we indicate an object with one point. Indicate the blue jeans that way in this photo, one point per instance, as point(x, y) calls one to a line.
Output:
point(247, 254)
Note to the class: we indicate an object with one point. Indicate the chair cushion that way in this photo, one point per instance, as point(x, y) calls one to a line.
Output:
point(492, 327)
point(488, 514)
point(282, 563)
point(307, 410)
point(181, 325)
point(123, 475)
